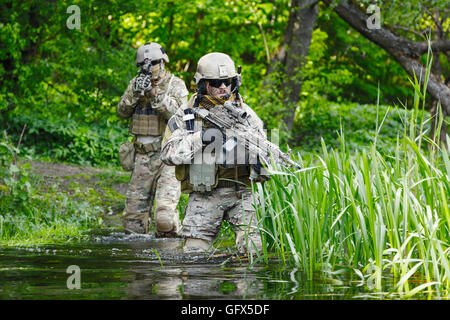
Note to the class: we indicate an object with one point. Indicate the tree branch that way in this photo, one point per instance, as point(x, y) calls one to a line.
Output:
point(404, 51)
point(436, 46)
point(417, 33)
point(382, 37)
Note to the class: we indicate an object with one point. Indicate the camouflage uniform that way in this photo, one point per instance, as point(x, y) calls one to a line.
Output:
point(206, 210)
point(151, 179)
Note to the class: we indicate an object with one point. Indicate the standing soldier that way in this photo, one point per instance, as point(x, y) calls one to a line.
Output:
point(217, 191)
point(151, 98)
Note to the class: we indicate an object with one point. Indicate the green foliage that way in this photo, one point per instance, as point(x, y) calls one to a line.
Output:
point(364, 211)
point(356, 65)
point(27, 215)
point(47, 69)
point(70, 141)
point(53, 70)
point(357, 122)
point(417, 14)
point(322, 75)
point(369, 211)
point(182, 204)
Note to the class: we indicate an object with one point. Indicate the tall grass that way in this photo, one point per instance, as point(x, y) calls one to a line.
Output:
point(371, 212)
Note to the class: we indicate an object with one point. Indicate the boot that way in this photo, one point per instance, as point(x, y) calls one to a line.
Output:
point(166, 227)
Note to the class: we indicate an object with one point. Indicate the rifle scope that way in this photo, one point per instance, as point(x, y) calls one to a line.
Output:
point(235, 111)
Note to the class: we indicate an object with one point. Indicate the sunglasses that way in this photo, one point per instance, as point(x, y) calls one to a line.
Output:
point(216, 83)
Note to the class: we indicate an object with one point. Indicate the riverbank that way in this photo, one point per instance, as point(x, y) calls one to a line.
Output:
point(45, 202)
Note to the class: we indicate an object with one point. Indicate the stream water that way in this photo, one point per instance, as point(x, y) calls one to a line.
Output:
point(120, 266)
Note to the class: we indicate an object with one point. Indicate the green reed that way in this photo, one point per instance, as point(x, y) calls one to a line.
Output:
point(372, 212)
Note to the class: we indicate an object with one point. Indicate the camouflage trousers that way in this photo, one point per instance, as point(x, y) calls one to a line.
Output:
point(206, 211)
point(152, 180)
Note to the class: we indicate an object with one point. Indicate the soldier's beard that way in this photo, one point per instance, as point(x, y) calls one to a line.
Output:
point(156, 71)
point(218, 92)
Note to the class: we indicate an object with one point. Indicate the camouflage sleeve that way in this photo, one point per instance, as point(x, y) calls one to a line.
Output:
point(179, 145)
point(168, 102)
point(127, 102)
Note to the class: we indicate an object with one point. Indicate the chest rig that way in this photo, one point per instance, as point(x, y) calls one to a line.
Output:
point(145, 121)
point(205, 176)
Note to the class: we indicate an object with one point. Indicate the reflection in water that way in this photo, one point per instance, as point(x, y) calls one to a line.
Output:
point(196, 281)
point(143, 267)
point(190, 276)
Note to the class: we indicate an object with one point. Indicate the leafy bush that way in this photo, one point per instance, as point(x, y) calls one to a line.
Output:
point(28, 215)
point(70, 141)
point(359, 124)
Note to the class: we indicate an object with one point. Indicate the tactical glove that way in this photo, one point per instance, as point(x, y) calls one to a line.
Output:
point(142, 84)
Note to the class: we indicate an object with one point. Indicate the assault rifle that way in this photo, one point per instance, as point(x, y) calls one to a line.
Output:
point(233, 122)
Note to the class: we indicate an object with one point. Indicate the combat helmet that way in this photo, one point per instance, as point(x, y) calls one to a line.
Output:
point(151, 51)
point(215, 65)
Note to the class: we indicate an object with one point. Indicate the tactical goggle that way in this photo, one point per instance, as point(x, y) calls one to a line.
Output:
point(216, 83)
point(152, 62)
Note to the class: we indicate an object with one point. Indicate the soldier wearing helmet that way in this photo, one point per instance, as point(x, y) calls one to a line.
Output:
point(216, 191)
point(151, 98)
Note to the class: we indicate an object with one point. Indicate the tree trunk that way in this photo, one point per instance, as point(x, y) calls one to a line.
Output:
point(293, 52)
point(404, 51)
point(437, 71)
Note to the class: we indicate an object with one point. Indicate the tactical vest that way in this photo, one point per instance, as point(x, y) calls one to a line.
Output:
point(223, 177)
point(146, 122)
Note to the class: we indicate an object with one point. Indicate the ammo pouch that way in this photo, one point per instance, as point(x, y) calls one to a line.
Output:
point(207, 175)
point(146, 122)
point(147, 147)
point(202, 177)
point(126, 155)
